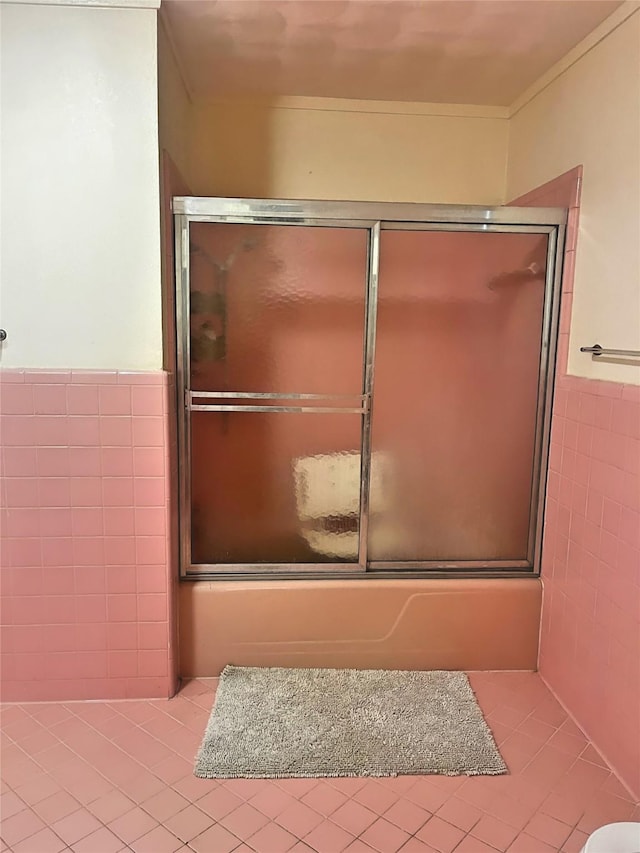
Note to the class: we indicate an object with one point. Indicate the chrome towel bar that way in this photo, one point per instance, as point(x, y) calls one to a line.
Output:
point(596, 349)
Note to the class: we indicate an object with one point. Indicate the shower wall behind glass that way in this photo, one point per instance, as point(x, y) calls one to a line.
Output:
point(456, 388)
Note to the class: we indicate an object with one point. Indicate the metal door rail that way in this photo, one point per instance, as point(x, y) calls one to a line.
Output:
point(245, 395)
point(318, 410)
point(596, 349)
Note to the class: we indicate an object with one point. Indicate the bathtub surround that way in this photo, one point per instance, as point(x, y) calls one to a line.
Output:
point(85, 570)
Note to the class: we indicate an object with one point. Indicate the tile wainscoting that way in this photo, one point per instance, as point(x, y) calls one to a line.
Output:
point(87, 609)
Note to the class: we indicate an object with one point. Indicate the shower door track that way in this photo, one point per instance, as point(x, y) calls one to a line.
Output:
point(374, 217)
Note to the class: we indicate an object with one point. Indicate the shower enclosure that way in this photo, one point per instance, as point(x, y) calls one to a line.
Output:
point(364, 388)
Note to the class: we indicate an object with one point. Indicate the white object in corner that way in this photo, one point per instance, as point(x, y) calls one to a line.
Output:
point(614, 838)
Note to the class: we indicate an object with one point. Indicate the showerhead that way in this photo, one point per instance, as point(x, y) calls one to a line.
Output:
point(533, 271)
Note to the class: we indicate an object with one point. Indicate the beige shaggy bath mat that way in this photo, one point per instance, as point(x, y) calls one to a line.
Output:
point(278, 723)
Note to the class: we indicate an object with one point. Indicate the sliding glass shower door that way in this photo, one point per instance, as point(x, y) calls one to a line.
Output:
point(275, 393)
point(363, 387)
point(459, 335)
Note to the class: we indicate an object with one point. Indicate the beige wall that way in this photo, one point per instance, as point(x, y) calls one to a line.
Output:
point(328, 149)
point(590, 115)
point(174, 104)
point(80, 222)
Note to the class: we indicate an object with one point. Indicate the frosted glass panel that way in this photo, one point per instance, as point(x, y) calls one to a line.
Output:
point(275, 487)
point(456, 378)
point(277, 308)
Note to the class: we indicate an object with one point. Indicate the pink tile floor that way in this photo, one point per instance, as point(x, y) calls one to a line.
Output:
point(99, 777)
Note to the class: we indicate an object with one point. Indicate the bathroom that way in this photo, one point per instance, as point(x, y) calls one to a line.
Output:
point(113, 111)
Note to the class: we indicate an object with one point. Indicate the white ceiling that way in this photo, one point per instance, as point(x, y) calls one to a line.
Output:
point(445, 51)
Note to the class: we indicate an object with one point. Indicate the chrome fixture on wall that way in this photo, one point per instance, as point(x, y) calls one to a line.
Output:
point(596, 349)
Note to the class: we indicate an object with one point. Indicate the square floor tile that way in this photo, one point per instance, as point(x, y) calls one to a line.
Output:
point(244, 821)
point(441, 835)
point(353, 817)
point(328, 838)
point(384, 836)
point(216, 838)
point(188, 823)
point(299, 819)
point(272, 839)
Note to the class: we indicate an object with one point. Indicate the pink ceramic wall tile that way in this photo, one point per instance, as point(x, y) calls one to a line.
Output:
point(116, 431)
point(152, 663)
point(152, 607)
point(89, 580)
point(60, 609)
point(150, 491)
point(20, 521)
point(11, 376)
point(23, 581)
point(19, 461)
point(19, 431)
point(57, 580)
point(53, 461)
point(123, 664)
point(24, 552)
point(55, 521)
point(59, 638)
point(152, 635)
point(150, 521)
point(83, 431)
point(121, 579)
point(91, 636)
point(120, 550)
point(119, 521)
point(148, 461)
point(117, 462)
point(87, 521)
point(50, 399)
point(150, 550)
point(86, 492)
point(70, 578)
point(117, 491)
point(114, 400)
point(56, 551)
point(152, 578)
point(54, 492)
point(137, 377)
point(121, 608)
point(147, 400)
point(21, 492)
point(94, 377)
point(122, 635)
point(82, 399)
point(149, 432)
point(17, 399)
point(84, 462)
point(47, 377)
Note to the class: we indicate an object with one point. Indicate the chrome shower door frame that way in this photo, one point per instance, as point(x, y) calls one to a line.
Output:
point(374, 217)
